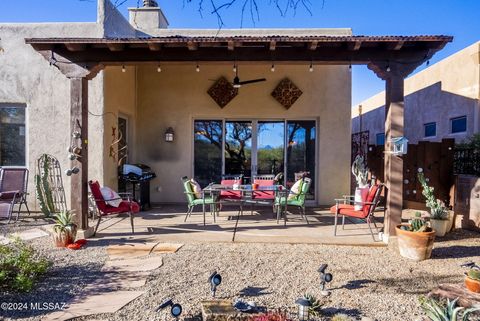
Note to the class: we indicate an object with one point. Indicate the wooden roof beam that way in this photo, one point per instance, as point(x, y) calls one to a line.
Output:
point(153, 46)
point(273, 45)
point(396, 45)
point(116, 46)
point(354, 46)
point(313, 45)
point(192, 45)
point(76, 46)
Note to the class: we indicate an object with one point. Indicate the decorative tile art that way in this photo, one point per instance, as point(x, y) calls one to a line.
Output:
point(286, 93)
point(222, 92)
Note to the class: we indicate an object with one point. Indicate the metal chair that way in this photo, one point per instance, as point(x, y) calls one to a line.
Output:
point(126, 206)
point(297, 201)
point(346, 208)
point(13, 190)
point(193, 201)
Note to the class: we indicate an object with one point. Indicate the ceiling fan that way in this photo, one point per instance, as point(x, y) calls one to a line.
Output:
point(237, 83)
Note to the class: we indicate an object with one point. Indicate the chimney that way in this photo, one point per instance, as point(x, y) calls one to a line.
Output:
point(149, 17)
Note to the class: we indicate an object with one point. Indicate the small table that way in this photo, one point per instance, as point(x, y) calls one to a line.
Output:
point(247, 197)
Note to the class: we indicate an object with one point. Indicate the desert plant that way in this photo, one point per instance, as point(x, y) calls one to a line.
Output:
point(474, 274)
point(271, 316)
point(43, 190)
point(439, 311)
point(315, 304)
point(417, 224)
point(438, 210)
point(20, 267)
point(341, 317)
point(360, 171)
point(65, 229)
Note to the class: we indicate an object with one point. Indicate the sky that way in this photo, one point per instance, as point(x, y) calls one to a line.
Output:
point(458, 18)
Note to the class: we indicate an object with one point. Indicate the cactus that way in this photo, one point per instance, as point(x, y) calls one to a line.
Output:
point(474, 274)
point(360, 171)
point(417, 224)
point(439, 311)
point(39, 193)
point(438, 210)
point(43, 190)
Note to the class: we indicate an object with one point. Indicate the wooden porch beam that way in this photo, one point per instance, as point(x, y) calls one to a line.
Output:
point(76, 46)
point(354, 46)
point(273, 45)
point(116, 46)
point(154, 46)
point(192, 45)
point(79, 122)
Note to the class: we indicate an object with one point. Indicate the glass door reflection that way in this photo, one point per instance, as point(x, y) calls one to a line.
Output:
point(270, 147)
point(238, 148)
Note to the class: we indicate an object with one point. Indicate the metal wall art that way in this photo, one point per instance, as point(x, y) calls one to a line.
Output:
point(222, 92)
point(286, 93)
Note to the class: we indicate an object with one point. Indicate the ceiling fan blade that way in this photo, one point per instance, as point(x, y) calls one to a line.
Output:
point(252, 81)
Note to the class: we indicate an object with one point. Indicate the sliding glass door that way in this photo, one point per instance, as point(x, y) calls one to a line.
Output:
point(255, 147)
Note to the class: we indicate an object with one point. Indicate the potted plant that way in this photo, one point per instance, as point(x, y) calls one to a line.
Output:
point(472, 278)
point(439, 215)
point(64, 230)
point(415, 240)
point(360, 171)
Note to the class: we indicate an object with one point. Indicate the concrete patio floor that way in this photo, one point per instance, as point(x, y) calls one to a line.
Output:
point(165, 223)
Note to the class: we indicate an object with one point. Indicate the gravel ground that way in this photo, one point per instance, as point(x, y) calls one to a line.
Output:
point(368, 282)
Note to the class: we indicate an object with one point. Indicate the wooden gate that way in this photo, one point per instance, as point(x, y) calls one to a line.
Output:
point(434, 159)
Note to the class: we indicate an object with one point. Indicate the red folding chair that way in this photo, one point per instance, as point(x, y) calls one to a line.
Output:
point(346, 208)
point(126, 206)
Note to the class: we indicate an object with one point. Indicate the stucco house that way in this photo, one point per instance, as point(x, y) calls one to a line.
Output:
point(145, 80)
point(442, 101)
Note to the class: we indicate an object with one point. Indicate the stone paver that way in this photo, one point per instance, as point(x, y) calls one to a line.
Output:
point(94, 304)
point(26, 235)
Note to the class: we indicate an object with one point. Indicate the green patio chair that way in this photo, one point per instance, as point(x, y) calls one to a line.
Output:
point(297, 201)
point(203, 201)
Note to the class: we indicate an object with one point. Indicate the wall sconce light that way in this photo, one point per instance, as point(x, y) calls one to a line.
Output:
point(215, 279)
point(169, 134)
point(303, 306)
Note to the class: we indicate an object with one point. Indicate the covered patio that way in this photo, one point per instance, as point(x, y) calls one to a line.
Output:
point(392, 58)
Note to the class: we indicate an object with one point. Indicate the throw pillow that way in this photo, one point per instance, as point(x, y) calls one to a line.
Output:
point(296, 189)
point(110, 196)
point(196, 188)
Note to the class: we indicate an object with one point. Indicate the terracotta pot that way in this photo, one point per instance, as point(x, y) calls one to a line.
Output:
point(416, 246)
point(62, 239)
point(440, 226)
point(472, 285)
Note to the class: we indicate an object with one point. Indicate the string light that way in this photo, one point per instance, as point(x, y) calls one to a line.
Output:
point(428, 63)
point(159, 69)
point(273, 67)
point(234, 67)
point(311, 67)
point(198, 68)
point(388, 68)
point(123, 68)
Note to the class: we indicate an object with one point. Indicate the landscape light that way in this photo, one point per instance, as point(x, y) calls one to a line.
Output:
point(303, 306)
point(215, 279)
point(175, 308)
point(324, 278)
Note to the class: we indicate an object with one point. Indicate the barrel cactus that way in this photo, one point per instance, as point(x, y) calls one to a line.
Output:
point(474, 274)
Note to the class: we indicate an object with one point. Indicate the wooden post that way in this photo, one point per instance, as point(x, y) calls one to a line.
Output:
point(394, 124)
point(79, 122)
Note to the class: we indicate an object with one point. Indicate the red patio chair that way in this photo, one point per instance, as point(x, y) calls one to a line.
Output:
point(345, 207)
point(126, 206)
point(229, 180)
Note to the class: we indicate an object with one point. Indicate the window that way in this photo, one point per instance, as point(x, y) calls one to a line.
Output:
point(208, 135)
point(12, 135)
point(430, 129)
point(459, 124)
point(380, 139)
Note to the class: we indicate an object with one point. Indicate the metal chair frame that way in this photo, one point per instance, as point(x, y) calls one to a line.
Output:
point(20, 196)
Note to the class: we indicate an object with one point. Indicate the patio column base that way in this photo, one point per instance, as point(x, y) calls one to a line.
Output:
point(86, 233)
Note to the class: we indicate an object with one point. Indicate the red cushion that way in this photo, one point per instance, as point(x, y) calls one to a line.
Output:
point(347, 210)
point(124, 207)
point(264, 195)
point(236, 195)
point(370, 198)
point(264, 182)
point(97, 194)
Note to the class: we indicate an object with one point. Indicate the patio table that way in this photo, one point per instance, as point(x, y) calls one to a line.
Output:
point(247, 197)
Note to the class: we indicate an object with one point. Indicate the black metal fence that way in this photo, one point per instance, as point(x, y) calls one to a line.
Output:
point(466, 161)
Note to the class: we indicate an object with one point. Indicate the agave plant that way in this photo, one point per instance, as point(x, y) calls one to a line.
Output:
point(65, 229)
point(437, 311)
point(315, 305)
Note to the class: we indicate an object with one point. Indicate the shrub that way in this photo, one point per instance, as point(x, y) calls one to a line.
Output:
point(20, 267)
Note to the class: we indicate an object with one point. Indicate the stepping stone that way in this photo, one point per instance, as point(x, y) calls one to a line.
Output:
point(84, 305)
point(114, 281)
point(466, 299)
point(31, 234)
point(133, 264)
point(134, 250)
